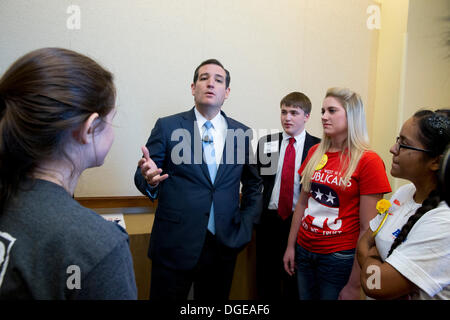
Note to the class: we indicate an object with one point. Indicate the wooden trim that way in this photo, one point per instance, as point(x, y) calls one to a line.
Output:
point(116, 202)
point(119, 202)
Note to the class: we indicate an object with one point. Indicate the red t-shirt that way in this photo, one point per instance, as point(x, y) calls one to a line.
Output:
point(331, 219)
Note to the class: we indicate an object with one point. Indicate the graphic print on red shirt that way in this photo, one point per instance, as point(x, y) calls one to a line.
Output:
point(327, 208)
point(331, 219)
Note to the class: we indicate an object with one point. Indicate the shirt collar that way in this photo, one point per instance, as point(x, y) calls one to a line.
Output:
point(298, 138)
point(216, 121)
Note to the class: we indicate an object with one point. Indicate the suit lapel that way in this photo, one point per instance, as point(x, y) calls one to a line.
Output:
point(275, 156)
point(230, 138)
point(188, 122)
point(280, 139)
point(308, 144)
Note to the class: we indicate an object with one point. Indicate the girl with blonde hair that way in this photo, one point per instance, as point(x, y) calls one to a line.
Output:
point(342, 180)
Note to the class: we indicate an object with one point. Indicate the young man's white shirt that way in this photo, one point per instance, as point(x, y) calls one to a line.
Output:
point(299, 144)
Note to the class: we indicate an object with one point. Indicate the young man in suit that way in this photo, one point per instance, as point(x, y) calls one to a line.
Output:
point(193, 163)
point(279, 157)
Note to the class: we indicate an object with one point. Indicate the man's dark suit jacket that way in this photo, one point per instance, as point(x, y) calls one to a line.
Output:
point(185, 197)
point(268, 163)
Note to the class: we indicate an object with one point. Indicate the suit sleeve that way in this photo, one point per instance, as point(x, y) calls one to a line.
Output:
point(257, 156)
point(156, 145)
point(251, 202)
point(264, 162)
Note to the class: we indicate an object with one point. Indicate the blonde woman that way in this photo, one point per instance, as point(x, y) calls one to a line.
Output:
point(342, 180)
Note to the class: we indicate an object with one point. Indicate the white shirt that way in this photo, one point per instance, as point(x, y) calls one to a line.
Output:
point(403, 207)
point(218, 130)
point(298, 145)
point(424, 257)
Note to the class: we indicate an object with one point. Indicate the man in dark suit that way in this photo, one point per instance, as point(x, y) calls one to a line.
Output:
point(194, 163)
point(279, 158)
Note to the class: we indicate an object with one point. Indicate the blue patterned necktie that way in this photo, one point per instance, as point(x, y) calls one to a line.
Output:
point(210, 159)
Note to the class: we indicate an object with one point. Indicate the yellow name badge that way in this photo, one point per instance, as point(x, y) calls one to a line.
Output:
point(322, 162)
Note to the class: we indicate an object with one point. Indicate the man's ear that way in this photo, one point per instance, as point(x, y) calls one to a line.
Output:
point(85, 132)
point(307, 116)
point(227, 92)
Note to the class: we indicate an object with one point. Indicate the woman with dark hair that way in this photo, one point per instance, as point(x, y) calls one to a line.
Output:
point(406, 251)
point(444, 175)
point(56, 109)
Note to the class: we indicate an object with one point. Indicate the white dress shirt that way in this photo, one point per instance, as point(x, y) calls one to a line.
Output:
point(218, 130)
point(298, 145)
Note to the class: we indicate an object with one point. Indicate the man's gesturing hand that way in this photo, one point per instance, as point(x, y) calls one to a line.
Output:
point(149, 170)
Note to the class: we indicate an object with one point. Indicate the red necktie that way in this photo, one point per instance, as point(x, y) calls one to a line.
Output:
point(287, 181)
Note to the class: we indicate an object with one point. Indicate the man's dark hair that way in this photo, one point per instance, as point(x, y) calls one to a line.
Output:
point(216, 62)
point(298, 100)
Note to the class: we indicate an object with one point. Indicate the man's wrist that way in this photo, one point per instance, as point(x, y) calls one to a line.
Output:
point(152, 192)
point(153, 186)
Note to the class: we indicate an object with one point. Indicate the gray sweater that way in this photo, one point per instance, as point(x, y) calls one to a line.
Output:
point(53, 248)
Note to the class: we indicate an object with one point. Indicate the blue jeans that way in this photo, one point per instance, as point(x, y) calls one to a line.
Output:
point(322, 276)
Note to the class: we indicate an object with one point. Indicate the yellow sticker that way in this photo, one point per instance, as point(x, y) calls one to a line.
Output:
point(322, 162)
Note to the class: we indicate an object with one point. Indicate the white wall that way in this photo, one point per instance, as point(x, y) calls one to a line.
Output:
point(390, 79)
point(271, 47)
point(413, 68)
point(427, 61)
